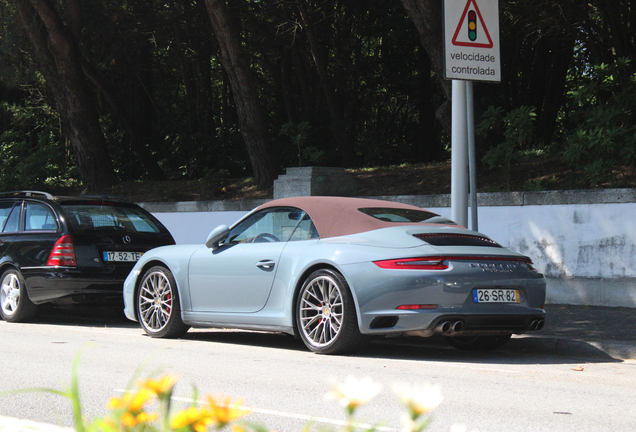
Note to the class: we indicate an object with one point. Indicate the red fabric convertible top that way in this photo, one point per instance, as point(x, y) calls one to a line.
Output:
point(339, 216)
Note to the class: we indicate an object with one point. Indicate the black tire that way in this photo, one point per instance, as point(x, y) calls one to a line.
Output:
point(326, 315)
point(158, 307)
point(478, 343)
point(15, 305)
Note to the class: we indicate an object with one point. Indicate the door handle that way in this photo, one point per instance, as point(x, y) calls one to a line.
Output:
point(266, 264)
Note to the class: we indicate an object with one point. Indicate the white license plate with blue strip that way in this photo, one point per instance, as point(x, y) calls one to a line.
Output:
point(499, 295)
point(122, 256)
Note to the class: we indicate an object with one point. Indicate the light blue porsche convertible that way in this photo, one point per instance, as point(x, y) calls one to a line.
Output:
point(337, 271)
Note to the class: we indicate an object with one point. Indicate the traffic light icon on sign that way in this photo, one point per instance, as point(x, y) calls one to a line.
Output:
point(472, 25)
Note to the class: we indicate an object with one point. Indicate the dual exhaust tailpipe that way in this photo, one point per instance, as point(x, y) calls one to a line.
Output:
point(537, 324)
point(449, 327)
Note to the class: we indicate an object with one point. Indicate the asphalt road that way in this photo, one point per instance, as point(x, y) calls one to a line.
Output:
point(285, 384)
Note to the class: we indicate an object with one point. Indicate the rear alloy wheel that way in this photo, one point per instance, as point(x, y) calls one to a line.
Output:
point(15, 305)
point(326, 315)
point(158, 305)
point(478, 343)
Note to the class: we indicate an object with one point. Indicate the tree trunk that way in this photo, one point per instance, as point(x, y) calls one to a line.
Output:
point(337, 125)
point(143, 153)
point(252, 119)
point(427, 17)
point(58, 56)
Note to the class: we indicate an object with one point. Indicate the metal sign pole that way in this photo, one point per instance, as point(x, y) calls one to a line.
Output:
point(471, 53)
point(472, 159)
point(459, 155)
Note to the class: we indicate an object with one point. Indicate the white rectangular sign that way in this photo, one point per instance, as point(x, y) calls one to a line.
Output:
point(471, 40)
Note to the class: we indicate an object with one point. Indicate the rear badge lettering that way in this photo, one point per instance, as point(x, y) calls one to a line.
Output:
point(495, 268)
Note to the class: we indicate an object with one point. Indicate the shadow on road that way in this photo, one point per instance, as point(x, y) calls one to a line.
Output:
point(410, 349)
point(525, 350)
point(85, 315)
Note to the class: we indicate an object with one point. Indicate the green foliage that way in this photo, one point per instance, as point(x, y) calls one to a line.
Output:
point(297, 133)
point(602, 134)
point(367, 88)
point(517, 130)
point(33, 156)
point(533, 185)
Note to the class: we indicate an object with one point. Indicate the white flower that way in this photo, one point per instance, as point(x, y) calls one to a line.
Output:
point(419, 399)
point(353, 392)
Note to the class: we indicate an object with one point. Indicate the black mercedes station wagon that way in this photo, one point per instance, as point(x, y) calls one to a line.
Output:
point(65, 250)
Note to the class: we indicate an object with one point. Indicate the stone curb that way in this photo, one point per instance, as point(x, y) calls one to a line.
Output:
point(602, 350)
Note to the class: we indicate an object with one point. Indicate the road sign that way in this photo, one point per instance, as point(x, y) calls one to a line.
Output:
point(471, 40)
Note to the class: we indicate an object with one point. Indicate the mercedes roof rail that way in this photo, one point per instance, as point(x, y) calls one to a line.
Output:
point(103, 198)
point(26, 193)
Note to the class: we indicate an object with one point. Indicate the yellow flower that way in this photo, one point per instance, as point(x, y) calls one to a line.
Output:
point(195, 418)
point(145, 417)
point(224, 411)
point(132, 401)
point(131, 420)
point(141, 398)
point(353, 392)
point(161, 387)
point(128, 420)
point(131, 405)
point(419, 399)
point(113, 403)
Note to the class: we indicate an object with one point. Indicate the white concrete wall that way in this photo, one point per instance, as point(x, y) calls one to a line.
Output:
point(194, 227)
point(587, 251)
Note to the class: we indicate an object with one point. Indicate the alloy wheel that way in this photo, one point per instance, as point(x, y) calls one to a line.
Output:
point(10, 294)
point(321, 311)
point(155, 301)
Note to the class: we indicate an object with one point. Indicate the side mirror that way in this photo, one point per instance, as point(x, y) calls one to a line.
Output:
point(216, 236)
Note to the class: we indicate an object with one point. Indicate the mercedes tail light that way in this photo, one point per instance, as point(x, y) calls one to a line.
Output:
point(63, 253)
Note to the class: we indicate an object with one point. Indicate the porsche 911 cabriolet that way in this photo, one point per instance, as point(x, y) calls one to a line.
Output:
point(336, 272)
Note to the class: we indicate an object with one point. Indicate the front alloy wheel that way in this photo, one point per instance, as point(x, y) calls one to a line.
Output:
point(158, 304)
point(15, 305)
point(326, 315)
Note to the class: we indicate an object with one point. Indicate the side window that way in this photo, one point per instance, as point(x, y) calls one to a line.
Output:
point(13, 220)
point(39, 217)
point(270, 225)
point(305, 230)
point(5, 211)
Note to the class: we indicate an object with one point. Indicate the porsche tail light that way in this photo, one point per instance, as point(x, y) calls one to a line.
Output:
point(425, 263)
point(443, 262)
point(63, 253)
point(530, 265)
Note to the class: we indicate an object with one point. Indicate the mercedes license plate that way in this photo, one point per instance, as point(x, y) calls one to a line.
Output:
point(499, 295)
point(122, 256)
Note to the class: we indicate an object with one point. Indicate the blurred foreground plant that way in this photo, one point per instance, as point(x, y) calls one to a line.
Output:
point(147, 407)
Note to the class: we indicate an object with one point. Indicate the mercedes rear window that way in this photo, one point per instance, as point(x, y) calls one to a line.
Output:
point(91, 217)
